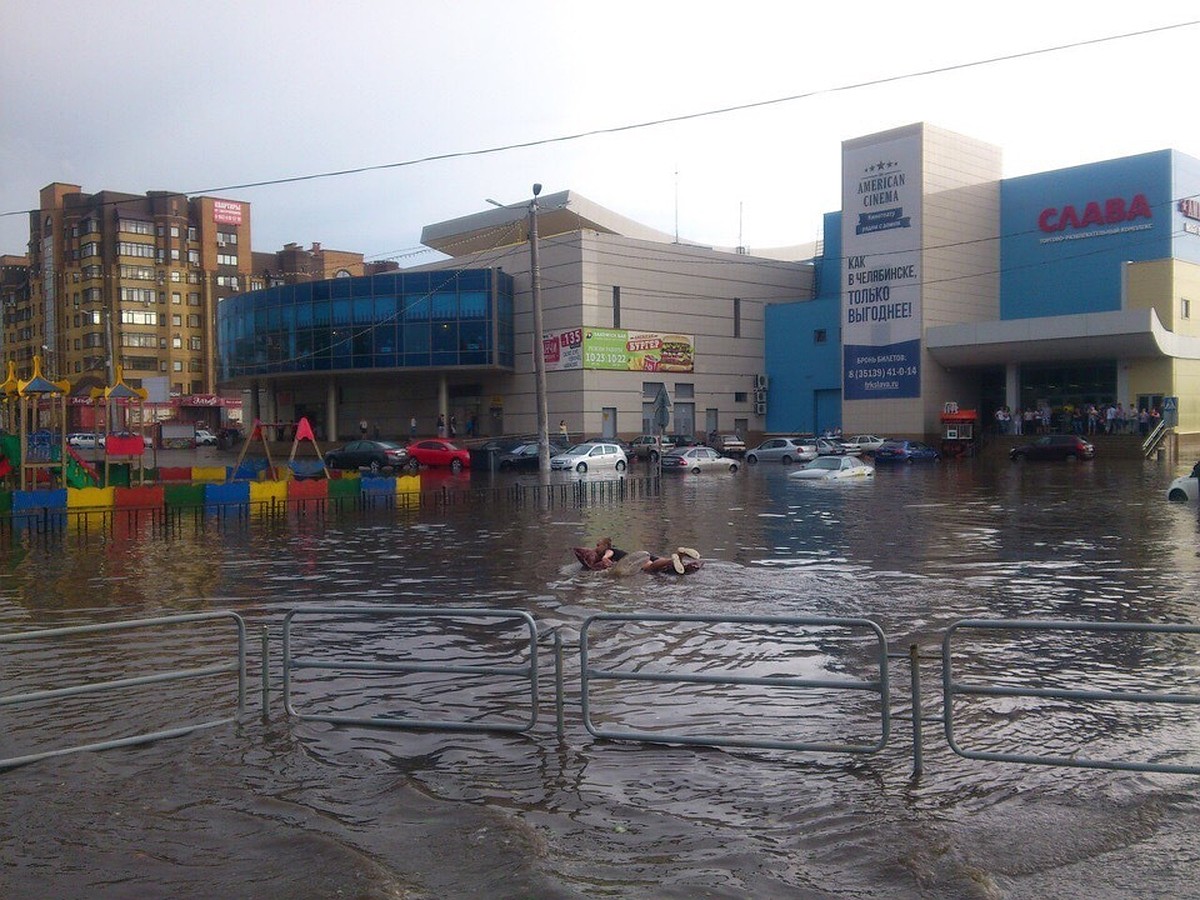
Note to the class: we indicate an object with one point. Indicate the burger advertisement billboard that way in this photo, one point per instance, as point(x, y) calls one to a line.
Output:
point(617, 349)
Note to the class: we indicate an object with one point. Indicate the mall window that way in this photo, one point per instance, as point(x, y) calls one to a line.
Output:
point(1185, 308)
point(820, 336)
point(741, 397)
point(737, 317)
point(616, 303)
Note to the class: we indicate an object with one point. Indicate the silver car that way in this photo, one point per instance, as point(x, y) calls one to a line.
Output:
point(783, 449)
point(583, 457)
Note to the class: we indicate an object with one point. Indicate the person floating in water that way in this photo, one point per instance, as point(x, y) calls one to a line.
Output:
point(605, 557)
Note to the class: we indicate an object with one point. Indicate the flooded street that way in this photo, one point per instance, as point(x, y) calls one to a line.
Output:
point(279, 807)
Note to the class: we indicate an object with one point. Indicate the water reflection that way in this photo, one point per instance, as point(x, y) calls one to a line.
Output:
point(915, 549)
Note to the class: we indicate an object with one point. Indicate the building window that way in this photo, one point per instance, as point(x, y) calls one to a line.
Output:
point(737, 317)
point(741, 397)
point(132, 226)
point(1185, 308)
point(193, 320)
point(193, 299)
point(176, 298)
point(194, 343)
point(820, 336)
point(174, 231)
point(616, 306)
point(226, 259)
point(191, 232)
point(194, 257)
point(176, 320)
point(176, 275)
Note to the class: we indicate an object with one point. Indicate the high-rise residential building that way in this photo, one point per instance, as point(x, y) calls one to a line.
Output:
point(14, 301)
point(130, 280)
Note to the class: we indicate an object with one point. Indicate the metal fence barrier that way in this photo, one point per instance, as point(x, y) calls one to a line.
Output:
point(954, 689)
point(526, 671)
point(849, 626)
point(237, 666)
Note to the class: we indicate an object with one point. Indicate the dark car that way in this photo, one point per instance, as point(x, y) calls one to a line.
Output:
point(524, 456)
point(374, 455)
point(1054, 446)
point(904, 451)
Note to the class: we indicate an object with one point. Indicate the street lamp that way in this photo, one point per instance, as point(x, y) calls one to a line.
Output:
point(539, 359)
point(539, 353)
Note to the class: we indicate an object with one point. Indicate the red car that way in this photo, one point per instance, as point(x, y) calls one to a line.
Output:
point(436, 452)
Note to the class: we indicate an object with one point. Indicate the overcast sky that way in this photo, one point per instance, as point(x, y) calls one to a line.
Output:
point(134, 95)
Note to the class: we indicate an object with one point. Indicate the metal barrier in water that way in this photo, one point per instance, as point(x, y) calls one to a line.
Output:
point(468, 619)
point(953, 688)
point(845, 628)
point(236, 666)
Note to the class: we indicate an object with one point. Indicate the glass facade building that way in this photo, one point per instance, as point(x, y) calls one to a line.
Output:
point(395, 320)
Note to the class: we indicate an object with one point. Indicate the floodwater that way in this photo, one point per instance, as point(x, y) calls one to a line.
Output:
point(279, 807)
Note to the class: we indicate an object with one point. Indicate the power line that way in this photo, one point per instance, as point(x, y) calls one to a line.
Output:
point(670, 120)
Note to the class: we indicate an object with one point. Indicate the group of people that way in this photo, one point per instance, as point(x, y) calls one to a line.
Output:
point(604, 557)
point(1112, 418)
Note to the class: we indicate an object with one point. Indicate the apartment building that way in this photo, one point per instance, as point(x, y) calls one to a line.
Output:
point(129, 280)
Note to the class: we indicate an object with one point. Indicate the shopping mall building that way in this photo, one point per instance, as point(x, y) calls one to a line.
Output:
point(938, 282)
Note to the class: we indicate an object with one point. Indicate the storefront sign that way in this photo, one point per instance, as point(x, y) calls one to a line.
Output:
point(881, 273)
point(1113, 211)
point(616, 349)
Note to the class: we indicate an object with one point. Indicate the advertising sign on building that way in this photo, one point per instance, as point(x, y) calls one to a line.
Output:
point(227, 212)
point(881, 270)
point(617, 349)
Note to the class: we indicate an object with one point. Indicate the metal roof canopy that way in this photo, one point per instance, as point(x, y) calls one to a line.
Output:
point(1123, 334)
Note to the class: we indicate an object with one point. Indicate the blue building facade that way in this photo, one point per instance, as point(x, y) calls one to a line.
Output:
point(396, 320)
point(1104, 253)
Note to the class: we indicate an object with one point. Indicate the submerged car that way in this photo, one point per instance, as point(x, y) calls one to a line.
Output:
point(832, 468)
point(374, 455)
point(438, 453)
point(782, 449)
point(646, 446)
point(905, 451)
point(728, 445)
point(1054, 446)
point(867, 443)
point(1185, 487)
point(591, 455)
point(524, 456)
point(698, 459)
point(205, 438)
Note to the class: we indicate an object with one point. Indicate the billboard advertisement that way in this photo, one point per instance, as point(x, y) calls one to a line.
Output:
point(227, 212)
point(881, 270)
point(618, 350)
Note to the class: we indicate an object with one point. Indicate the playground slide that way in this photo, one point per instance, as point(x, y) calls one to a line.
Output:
point(80, 472)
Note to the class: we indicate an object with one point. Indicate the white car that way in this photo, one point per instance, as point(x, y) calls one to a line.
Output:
point(204, 437)
point(696, 460)
point(867, 443)
point(783, 449)
point(85, 440)
point(592, 455)
point(830, 468)
point(1185, 488)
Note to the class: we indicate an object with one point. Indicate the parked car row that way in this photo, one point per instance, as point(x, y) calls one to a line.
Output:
point(378, 456)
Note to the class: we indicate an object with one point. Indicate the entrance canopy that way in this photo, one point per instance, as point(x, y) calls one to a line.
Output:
point(1124, 334)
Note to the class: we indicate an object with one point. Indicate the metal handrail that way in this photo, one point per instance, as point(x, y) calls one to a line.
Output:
point(526, 670)
point(878, 685)
point(237, 666)
point(952, 689)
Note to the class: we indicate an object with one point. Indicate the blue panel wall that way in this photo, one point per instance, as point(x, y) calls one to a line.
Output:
point(1065, 234)
point(1186, 187)
point(798, 366)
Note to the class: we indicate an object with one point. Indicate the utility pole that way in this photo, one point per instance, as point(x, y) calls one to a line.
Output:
point(539, 359)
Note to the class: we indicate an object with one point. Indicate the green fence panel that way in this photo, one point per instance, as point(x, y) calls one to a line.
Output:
point(184, 494)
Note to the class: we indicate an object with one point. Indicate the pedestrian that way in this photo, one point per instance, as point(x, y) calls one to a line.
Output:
point(453, 426)
point(471, 425)
point(563, 431)
point(412, 428)
point(362, 428)
point(376, 431)
point(441, 425)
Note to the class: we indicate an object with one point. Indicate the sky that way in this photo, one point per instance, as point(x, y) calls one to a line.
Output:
point(213, 97)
